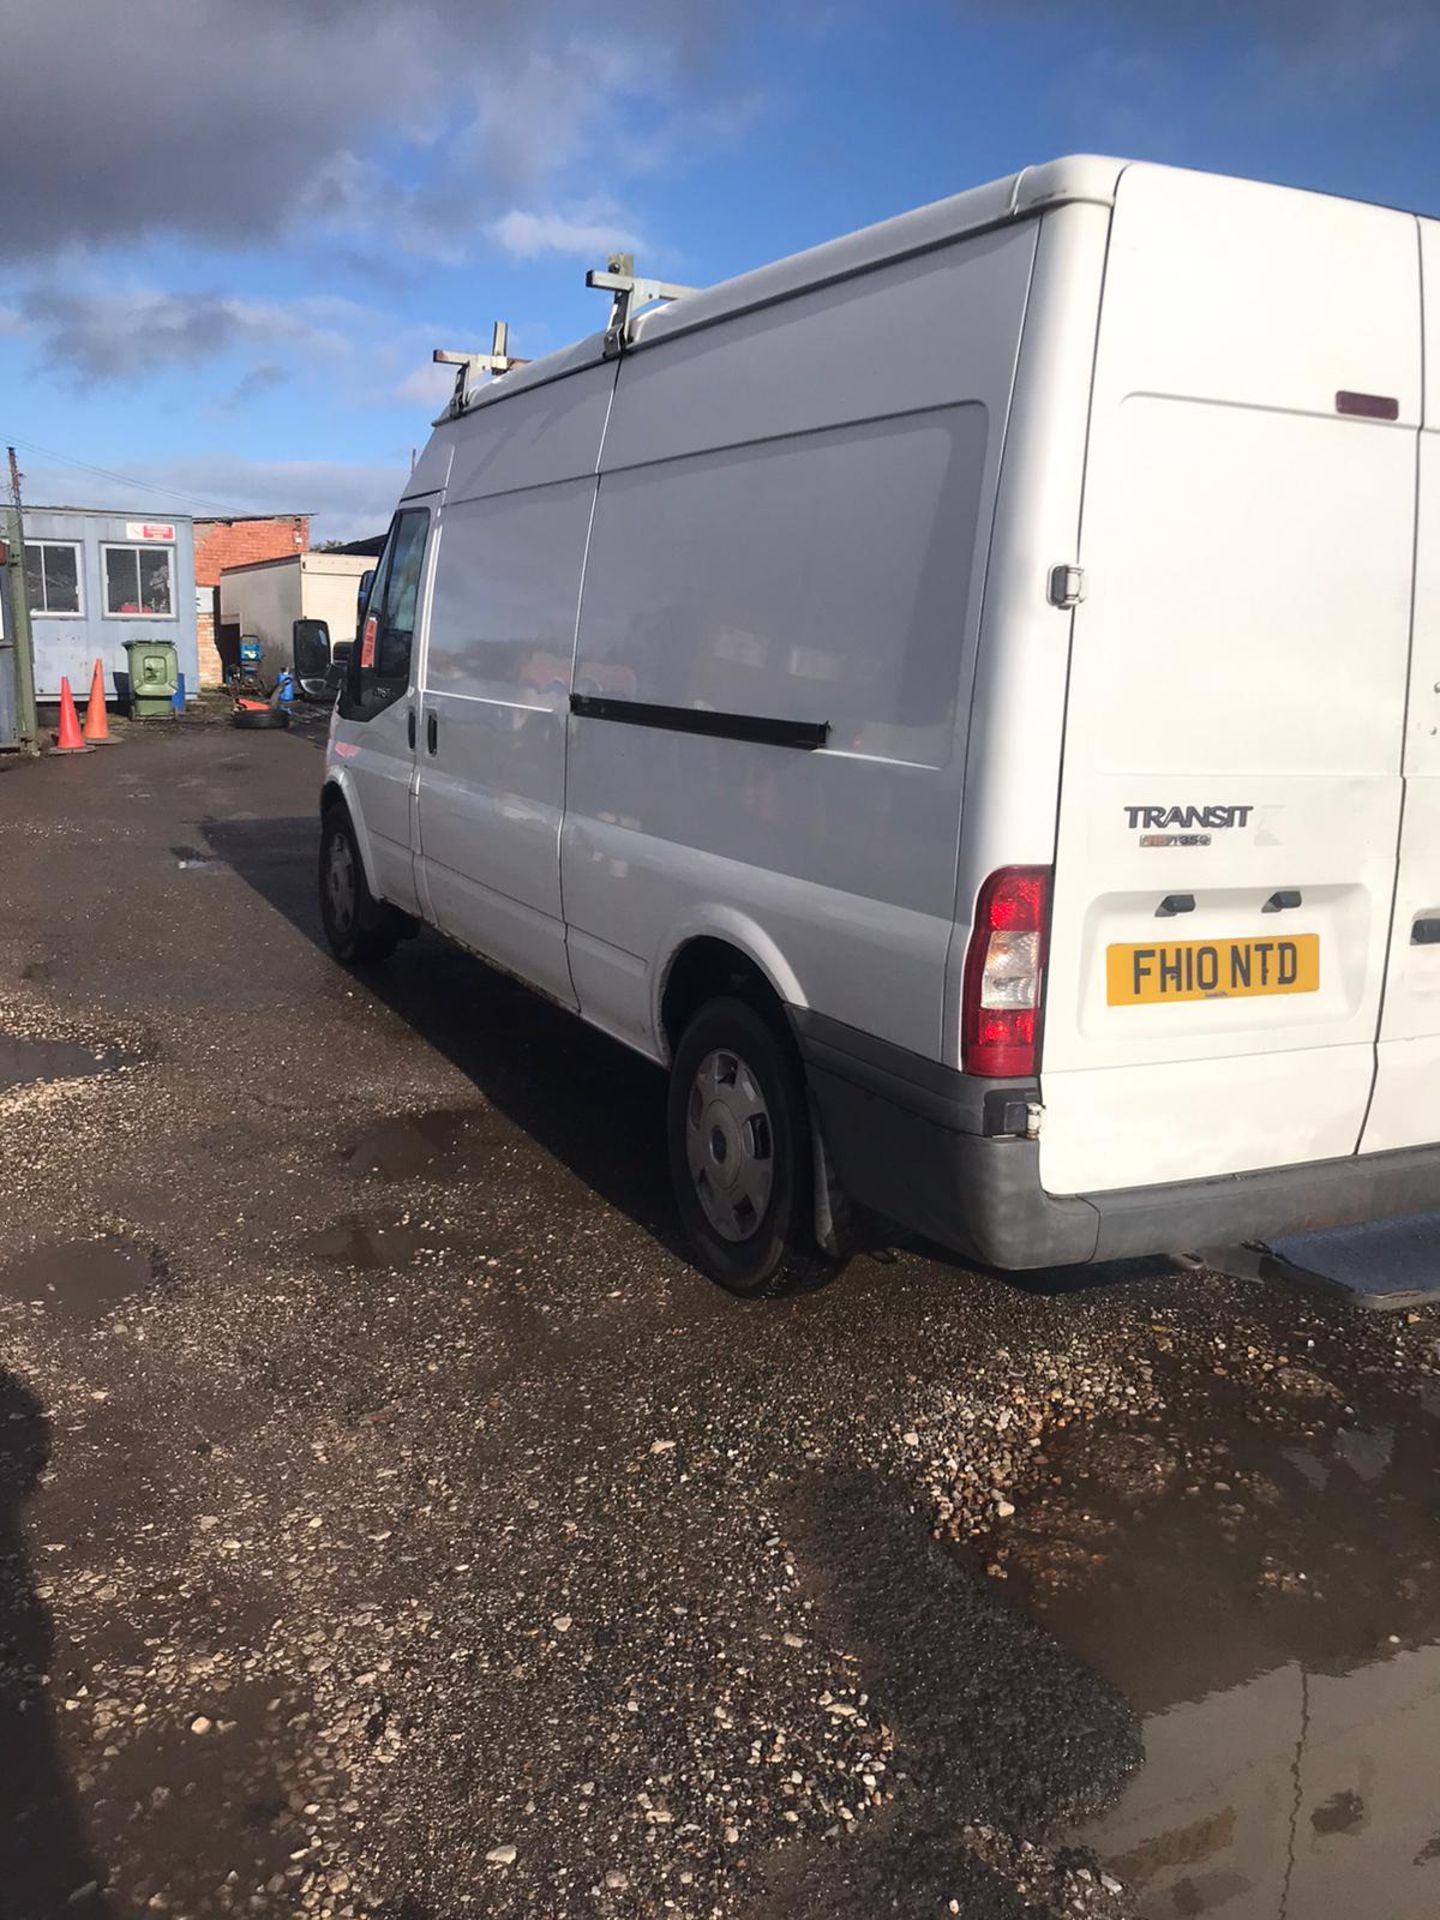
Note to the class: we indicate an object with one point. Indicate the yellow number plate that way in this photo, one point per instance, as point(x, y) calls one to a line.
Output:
point(1167, 970)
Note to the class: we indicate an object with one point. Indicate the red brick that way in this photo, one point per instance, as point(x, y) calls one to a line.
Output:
point(235, 543)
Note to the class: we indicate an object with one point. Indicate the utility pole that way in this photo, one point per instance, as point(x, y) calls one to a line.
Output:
point(27, 728)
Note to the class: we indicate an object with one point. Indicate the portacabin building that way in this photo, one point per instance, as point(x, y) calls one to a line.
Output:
point(98, 578)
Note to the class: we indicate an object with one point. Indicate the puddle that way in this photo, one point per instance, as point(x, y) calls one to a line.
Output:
point(23, 1061)
point(185, 1811)
point(188, 858)
point(369, 1244)
point(1265, 1591)
point(1298, 1795)
point(81, 1278)
point(440, 1145)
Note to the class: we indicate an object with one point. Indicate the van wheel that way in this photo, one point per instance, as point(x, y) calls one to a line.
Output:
point(358, 927)
point(740, 1152)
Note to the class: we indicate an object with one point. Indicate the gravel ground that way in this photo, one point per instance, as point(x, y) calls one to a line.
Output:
point(392, 1522)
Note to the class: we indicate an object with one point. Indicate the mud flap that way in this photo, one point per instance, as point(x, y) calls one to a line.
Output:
point(834, 1219)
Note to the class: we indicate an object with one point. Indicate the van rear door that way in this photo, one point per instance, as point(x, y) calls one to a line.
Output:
point(1231, 784)
point(1405, 1111)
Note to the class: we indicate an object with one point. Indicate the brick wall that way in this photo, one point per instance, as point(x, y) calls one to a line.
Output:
point(235, 543)
point(210, 669)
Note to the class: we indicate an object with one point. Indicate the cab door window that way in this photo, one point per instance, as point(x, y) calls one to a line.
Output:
point(380, 663)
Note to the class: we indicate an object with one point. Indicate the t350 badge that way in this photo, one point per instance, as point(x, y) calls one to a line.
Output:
point(1184, 826)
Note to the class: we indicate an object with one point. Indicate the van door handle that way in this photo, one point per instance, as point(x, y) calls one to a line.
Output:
point(410, 728)
point(1425, 932)
point(432, 731)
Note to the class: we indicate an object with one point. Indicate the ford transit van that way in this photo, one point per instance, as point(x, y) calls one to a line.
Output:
point(965, 701)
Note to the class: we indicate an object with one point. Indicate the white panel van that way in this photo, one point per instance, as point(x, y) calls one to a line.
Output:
point(966, 701)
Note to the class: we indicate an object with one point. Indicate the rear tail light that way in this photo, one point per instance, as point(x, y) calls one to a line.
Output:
point(1004, 972)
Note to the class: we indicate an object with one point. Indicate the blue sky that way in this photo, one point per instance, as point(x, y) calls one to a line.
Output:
point(233, 234)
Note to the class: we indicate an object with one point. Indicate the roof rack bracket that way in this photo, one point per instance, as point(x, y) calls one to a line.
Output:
point(631, 292)
point(499, 360)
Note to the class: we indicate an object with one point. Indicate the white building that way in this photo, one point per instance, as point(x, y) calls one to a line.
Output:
point(267, 597)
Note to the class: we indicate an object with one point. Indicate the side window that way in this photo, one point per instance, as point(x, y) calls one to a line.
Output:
point(52, 574)
point(864, 630)
point(138, 582)
point(379, 672)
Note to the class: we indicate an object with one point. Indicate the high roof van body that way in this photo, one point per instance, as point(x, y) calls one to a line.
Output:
point(966, 700)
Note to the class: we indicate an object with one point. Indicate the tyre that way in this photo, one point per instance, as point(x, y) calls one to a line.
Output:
point(258, 719)
point(740, 1152)
point(359, 927)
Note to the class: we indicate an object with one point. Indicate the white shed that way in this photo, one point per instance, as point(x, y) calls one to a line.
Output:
point(266, 598)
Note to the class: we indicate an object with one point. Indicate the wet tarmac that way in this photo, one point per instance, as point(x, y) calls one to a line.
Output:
point(25, 1061)
point(438, 1145)
point(81, 1277)
point(394, 1526)
point(374, 1243)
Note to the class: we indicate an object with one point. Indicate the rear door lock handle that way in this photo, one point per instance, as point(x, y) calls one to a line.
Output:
point(432, 731)
point(1425, 932)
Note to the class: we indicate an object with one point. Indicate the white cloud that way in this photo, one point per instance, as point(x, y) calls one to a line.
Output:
point(428, 387)
point(240, 347)
point(402, 123)
point(587, 234)
point(119, 334)
point(349, 500)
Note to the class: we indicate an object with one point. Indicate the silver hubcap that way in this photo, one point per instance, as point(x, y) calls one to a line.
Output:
point(729, 1145)
point(340, 883)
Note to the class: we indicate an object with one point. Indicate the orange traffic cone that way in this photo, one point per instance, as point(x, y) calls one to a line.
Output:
point(68, 739)
point(97, 727)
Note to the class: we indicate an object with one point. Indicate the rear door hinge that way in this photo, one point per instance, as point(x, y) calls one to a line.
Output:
point(1067, 586)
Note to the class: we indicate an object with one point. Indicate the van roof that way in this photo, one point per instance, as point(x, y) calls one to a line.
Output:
point(1083, 177)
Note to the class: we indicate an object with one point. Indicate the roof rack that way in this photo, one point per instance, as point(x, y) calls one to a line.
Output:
point(632, 291)
point(496, 362)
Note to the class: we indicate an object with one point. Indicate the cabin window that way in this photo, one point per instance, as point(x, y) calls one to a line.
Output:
point(139, 582)
point(52, 576)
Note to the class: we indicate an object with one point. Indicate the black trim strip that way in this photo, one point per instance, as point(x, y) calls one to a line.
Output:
point(763, 732)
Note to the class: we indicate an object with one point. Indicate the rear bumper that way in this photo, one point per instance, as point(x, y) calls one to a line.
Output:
point(908, 1138)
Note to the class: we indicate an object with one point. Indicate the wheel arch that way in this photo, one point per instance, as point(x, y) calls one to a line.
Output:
point(720, 953)
point(339, 792)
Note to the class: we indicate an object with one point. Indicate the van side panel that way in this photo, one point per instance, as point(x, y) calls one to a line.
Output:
point(498, 659)
point(791, 525)
point(1406, 1107)
point(432, 470)
point(1238, 674)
